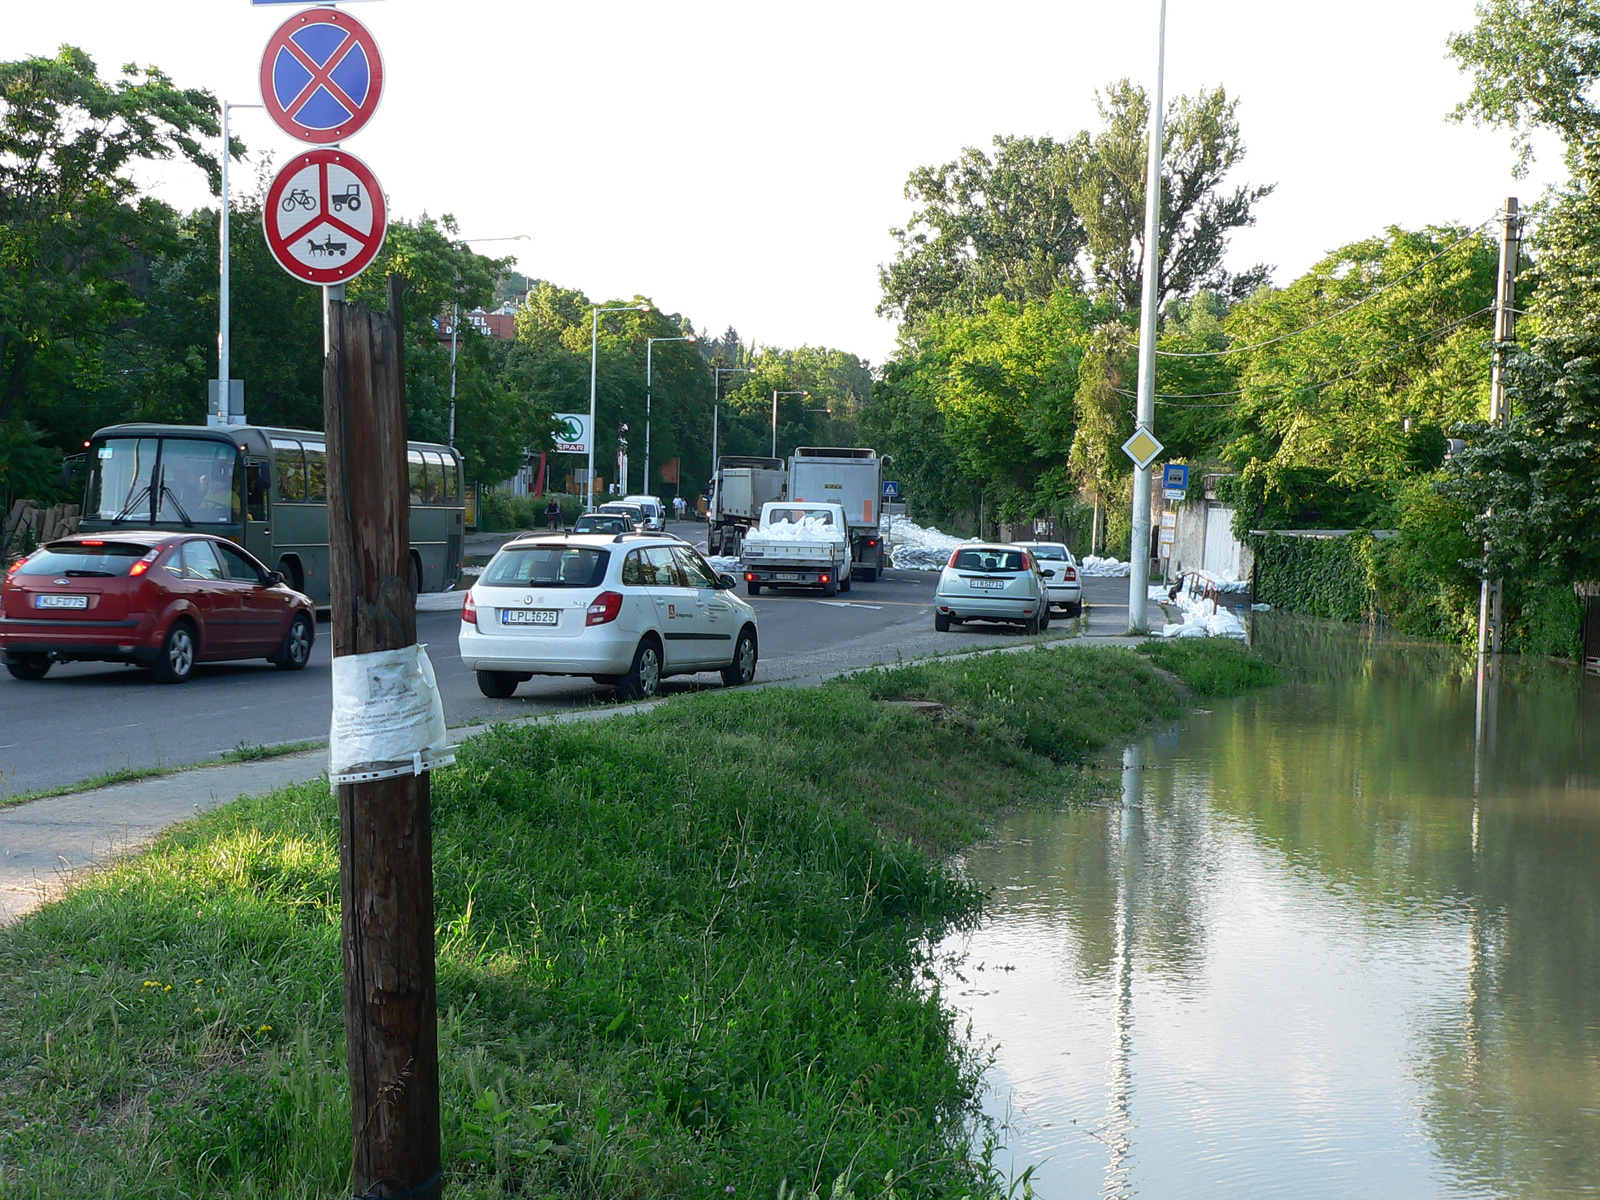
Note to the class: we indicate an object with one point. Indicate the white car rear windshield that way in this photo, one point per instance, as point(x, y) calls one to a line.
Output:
point(989, 560)
point(1051, 553)
point(548, 567)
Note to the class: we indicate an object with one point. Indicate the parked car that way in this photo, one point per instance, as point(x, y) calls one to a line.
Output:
point(165, 601)
point(1060, 572)
point(626, 610)
point(991, 583)
point(655, 512)
point(601, 522)
point(622, 508)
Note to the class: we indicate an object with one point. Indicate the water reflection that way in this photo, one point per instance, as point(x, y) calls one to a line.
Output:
point(1310, 944)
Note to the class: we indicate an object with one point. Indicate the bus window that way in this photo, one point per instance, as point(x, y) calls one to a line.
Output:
point(419, 476)
point(291, 469)
point(452, 479)
point(256, 482)
point(435, 476)
point(316, 473)
point(197, 482)
point(120, 479)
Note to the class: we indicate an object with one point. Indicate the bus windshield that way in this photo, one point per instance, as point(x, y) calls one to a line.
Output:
point(186, 480)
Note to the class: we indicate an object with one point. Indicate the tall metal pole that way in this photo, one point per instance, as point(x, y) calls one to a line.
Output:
point(224, 412)
point(1491, 594)
point(774, 422)
point(455, 328)
point(1139, 550)
point(594, 350)
point(649, 345)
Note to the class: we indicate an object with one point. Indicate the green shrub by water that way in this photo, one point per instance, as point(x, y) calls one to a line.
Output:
point(678, 956)
point(1212, 666)
point(507, 511)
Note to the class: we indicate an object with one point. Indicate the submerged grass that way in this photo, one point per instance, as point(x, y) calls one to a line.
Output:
point(679, 954)
point(1212, 666)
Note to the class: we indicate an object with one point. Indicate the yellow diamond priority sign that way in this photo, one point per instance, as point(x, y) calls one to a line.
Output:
point(1142, 447)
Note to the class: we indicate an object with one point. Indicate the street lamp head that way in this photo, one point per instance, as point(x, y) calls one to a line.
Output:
point(644, 308)
point(691, 339)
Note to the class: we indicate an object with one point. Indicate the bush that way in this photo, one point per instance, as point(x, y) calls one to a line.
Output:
point(1212, 666)
point(1545, 620)
point(505, 510)
point(1321, 577)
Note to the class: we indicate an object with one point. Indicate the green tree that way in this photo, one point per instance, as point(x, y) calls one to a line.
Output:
point(1201, 145)
point(74, 231)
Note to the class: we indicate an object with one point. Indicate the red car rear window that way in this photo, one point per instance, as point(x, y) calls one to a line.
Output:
point(72, 558)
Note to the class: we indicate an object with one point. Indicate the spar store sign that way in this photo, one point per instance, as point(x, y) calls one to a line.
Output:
point(572, 433)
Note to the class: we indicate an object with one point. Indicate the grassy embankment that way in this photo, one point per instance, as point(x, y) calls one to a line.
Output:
point(680, 954)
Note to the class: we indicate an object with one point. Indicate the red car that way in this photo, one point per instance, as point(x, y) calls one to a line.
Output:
point(162, 600)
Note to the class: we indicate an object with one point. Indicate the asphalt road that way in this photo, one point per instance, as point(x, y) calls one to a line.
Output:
point(85, 719)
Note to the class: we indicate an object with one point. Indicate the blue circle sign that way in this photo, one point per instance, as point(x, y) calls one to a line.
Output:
point(321, 76)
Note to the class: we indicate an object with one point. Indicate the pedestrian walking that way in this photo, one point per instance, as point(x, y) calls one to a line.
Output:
point(552, 513)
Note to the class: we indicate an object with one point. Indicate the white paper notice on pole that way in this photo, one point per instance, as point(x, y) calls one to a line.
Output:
point(388, 717)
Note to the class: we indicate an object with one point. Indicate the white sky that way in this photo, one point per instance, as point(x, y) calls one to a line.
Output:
point(742, 163)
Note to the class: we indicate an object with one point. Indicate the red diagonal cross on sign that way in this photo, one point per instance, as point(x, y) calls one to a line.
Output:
point(322, 76)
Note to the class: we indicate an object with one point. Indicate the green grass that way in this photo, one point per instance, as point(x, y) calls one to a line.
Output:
point(255, 751)
point(243, 752)
point(1212, 666)
point(681, 953)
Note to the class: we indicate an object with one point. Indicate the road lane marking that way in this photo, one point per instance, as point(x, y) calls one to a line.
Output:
point(848, 604)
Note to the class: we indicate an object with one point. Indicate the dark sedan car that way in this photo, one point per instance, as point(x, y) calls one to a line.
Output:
point(165, 601)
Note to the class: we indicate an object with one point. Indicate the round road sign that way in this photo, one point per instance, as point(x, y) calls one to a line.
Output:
point(325, 217)
point(321, 76)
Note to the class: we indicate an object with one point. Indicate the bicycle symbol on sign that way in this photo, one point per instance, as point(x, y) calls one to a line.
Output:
point(299, 198)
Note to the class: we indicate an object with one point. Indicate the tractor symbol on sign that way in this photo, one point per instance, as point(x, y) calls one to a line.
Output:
point(328, 247)
point(349, 198)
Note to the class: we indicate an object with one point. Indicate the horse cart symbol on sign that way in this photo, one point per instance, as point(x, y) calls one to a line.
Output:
point(350, 197)
point(328, 247)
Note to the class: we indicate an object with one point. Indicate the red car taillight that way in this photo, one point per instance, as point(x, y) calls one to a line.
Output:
point(469, 610)
point(605, 608)
point(144, 564)
point(1070, 574)
point(954, 554)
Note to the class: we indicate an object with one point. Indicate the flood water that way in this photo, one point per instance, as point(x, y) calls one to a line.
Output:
point(1309, 943)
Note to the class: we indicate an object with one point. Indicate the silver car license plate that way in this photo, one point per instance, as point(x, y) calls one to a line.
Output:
point(61, 602)
point(529, 616)
point(786, 574)
point(993, 585)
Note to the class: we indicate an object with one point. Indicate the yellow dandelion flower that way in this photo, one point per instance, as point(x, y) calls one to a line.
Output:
point(151, 983)
point(168, 988)
point(265, 1029)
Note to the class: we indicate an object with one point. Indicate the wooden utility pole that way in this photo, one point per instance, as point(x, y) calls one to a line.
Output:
point(1491, 595)
point(385, 839)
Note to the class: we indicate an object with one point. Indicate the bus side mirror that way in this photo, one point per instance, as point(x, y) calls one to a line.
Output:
point(67, 465)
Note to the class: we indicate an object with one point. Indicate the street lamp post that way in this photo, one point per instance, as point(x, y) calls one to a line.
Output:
point(775, 396)
point(649, 345)
point(594, 363)
point(1139, 548)
point(224, 414)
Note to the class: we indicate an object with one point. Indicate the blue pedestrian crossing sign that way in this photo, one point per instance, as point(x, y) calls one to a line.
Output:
point(321, 76)
point(891, 490)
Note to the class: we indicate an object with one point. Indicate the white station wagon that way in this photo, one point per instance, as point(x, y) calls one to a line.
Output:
point(626, 609)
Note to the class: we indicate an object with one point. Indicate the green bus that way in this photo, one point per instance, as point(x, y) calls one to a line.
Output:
point(264, 489)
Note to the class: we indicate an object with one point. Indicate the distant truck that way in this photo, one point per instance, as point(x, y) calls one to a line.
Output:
point(852, 478)
point(798, 545)
point(742, 486)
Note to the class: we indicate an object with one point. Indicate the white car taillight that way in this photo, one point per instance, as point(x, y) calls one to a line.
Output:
point(469, 610)
point(604, 610)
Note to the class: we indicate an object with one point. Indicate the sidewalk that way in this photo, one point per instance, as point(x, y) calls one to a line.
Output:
point(45, 843)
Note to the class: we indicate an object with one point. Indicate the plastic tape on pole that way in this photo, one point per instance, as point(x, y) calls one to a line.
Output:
point(388, 717)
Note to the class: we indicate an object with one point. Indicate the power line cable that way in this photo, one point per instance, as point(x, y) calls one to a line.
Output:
point(1392, 284)
point(1321, 383)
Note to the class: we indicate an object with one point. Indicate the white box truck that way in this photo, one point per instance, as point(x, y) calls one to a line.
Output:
point(742, 486)
point(852, 478)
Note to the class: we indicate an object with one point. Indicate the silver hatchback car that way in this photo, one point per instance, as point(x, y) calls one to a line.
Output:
point(992, 583)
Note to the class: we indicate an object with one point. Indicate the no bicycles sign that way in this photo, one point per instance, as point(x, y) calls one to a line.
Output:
point(325, 217)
